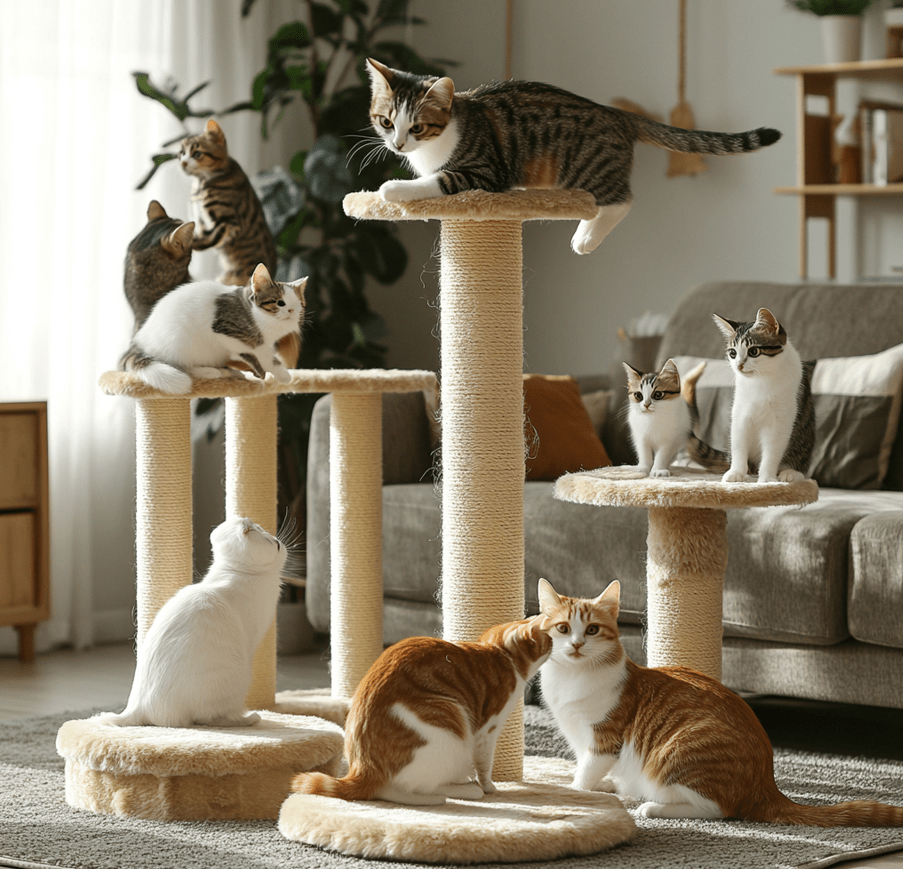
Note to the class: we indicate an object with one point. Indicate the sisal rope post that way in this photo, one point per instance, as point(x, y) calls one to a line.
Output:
point(687, 556)
point(356, 543)
point(481, 323)
point(251, 475)
point(163, 543)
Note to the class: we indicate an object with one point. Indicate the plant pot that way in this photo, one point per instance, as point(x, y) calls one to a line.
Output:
point(893, 21)
point(842, 35)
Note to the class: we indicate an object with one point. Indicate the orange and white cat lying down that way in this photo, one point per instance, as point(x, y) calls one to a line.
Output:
point(428, 713)
point(668, 735)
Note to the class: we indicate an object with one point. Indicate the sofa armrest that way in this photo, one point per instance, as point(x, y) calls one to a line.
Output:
point(407, 458)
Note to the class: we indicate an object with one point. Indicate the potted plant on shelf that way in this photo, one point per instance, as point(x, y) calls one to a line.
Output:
point(841, 26)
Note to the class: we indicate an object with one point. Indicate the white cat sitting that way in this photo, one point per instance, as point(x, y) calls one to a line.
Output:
point(661, 413)
point(195, 663)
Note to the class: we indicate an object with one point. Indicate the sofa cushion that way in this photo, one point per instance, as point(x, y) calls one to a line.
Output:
point(857, 411)
point(876, 587)
point(789, 570)
point(558, 431)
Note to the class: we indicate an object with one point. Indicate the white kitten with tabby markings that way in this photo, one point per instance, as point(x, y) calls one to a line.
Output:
point(673, 737)
point(773, 416)
point(661, 414)
point(199, 329)
point(195, 662)
point(425, 718)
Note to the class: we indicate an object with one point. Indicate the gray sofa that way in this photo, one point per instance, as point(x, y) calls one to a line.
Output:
point(813, 597)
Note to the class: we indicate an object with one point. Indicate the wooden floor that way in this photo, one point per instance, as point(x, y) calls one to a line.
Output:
point(101, 677)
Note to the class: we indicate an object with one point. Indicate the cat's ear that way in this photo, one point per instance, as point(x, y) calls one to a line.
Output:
point(442, 93)
point(611, 596)
point(670, 369)
point(215, 132)
point(155, 211)
point(728, 327)
point(299, 286)
point(381, 76)
point(179, 240)
point(767, 321)
point(549, 599)
point(633, 376)
point(261, 280)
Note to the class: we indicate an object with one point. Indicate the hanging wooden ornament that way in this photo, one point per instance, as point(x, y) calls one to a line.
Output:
point(682, 114)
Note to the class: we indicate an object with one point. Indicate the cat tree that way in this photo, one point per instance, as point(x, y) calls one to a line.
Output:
point(482, 583)
point(207, 773)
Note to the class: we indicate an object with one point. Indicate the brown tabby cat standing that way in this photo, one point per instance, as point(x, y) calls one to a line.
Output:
point(524, 134)
point(157, 261)
point(427, 715)
point(668, 735)
point(229, 216)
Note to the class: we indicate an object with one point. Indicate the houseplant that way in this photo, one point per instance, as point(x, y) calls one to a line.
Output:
point(841, 26)
point(317, 62)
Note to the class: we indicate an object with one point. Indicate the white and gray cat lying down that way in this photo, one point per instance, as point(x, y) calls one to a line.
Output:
point(772, 427)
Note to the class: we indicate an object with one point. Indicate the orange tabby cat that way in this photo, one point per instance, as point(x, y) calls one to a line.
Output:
point(668, 735)
point(427, 715)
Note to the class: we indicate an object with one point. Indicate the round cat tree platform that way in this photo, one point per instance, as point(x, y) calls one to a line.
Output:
point(687, 549)
point(482, 410)
point(103, 773)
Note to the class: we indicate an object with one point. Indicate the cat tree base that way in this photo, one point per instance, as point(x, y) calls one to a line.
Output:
point(193, 774)
point(687, 549)
point(540, 818)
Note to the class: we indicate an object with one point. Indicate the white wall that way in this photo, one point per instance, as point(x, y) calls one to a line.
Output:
point(725, 223)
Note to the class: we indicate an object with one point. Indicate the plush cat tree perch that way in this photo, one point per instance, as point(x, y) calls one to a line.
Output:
point(208, 772)
point(687, 549)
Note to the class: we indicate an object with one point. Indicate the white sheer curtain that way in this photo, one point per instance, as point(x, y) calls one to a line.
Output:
point(76, 137)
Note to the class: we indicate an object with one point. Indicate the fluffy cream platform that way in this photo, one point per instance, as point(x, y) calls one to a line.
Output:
point(687, 549)
point(202, 773)
point(539, 818)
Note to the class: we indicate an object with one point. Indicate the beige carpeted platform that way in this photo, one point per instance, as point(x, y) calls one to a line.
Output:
point(537, 819)
point(202, 773)
point(314, 701)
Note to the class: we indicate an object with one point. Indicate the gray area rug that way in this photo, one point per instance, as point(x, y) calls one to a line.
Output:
point(38, 829)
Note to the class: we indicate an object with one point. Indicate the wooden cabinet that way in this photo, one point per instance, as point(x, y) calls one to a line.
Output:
point(816, 185)
point(24, 521)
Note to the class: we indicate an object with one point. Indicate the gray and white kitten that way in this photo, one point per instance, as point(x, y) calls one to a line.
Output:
point(773, 415)
point(203, 328)
point(662, 414)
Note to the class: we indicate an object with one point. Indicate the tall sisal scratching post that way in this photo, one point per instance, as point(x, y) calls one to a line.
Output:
point(251, 476)
point(481, 323)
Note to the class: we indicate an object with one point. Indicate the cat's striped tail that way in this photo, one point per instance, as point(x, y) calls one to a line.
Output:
point(351, 787)
point(857, 813)
point(703, 454)
point(702, 141)
point(160, 375)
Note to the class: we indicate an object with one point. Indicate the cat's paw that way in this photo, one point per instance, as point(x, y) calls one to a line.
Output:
point(488, 787)
point(606, 786)
point(788, 475)
point(643, 470)
point(207, 373)
point(734, 477)
point(660, 472)
point(407, 191)
point(281, 375)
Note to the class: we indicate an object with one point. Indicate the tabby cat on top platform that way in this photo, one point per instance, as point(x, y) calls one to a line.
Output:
point(668, 735)
point(524, 134)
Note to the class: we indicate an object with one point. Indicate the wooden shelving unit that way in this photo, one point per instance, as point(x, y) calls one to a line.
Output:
point(24, 521)
point(815, 185)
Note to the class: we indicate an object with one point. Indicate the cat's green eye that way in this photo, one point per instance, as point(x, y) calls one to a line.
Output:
point(563, 629)
point(592, 630)
point(753, 351)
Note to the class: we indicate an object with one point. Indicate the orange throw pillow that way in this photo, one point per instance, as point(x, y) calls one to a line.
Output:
point(559, 433)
